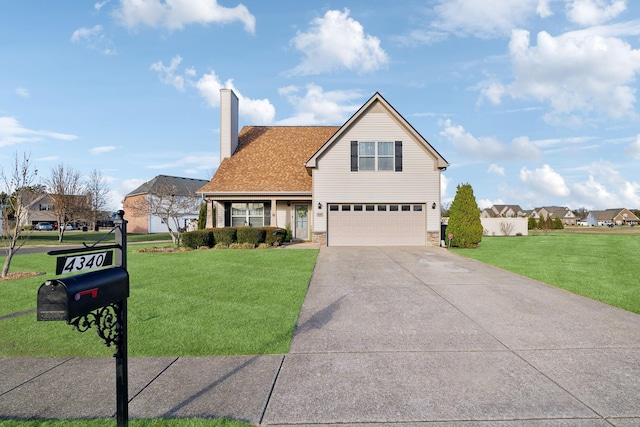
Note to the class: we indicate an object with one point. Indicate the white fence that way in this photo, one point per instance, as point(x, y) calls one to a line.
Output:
point(505, 226)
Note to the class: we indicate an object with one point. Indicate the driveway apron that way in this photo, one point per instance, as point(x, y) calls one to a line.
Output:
point(419, 336)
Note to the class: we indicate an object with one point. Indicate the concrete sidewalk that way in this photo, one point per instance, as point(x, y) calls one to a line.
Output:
point(386, 336)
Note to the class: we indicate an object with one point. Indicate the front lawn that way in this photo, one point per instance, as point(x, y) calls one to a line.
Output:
point(601, 266)
point(195, 303)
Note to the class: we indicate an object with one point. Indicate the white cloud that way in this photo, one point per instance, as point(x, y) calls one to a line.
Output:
point(102, 150)
point(317, 107)
point(486, 203)
point(337, 41)
point(93, 38)
point(594, 12)
point(476, 18)
point(633, 150)
point(175, 14)
point(488, 148)
point(99, 5)
point(167, 74)
point(577, 73)
point(257, 111)
point(444, 186)
point(544, 181)
point(494, 168)
point(22, 92)
point(607, 188)
point(12, 132)
point(192, 163)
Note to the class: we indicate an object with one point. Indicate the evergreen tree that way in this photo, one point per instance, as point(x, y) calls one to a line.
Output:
point(464, 219)
point(533, 224)
point(557, 224)
point(202, 216)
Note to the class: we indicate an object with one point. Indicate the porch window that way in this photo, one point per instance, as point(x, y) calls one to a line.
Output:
point(251, 214)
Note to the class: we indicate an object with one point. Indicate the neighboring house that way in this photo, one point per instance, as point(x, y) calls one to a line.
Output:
point(139, 215)
point(372, 181)
point(42, 210)
point(564, 213)
point(503, 211)
point(618, 216)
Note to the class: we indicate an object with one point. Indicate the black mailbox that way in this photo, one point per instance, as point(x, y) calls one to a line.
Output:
point(69, 297)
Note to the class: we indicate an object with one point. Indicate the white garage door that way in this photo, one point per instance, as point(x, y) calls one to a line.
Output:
point(376, 225)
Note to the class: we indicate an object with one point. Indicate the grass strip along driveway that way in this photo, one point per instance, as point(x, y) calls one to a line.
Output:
point(195, 303)
point(604, 267)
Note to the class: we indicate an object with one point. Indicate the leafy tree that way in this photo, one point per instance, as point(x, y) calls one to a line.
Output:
point(532, 224)
point(19, 185)
point(464, 219)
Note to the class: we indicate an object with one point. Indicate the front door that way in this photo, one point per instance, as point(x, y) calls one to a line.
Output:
point(302, 222)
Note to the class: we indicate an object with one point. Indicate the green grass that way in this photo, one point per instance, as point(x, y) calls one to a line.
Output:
point(601, 266)
point(171, 422)
point(196, 303)
point(75, 237)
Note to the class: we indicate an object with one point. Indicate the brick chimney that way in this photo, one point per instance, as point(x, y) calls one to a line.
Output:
point(228, 123)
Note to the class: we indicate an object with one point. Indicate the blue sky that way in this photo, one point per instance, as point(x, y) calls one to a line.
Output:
point(533, 102)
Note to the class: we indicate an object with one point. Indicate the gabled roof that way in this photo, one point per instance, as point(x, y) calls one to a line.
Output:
point(182, 186)
point(610, 214)
point(379, 100)
point(270, 159)
point(557, 211)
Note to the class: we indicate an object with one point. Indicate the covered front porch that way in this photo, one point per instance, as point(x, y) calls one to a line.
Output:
point(291, 211)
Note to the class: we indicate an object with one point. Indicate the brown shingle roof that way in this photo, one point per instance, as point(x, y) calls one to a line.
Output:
point(270, 158)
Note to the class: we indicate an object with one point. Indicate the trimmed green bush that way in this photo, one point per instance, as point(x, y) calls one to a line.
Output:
point(274, 236)
point(197, 238)
point(252, 235)
point(225, 236)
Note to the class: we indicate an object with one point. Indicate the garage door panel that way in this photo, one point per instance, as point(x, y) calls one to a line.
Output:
point(382, 226)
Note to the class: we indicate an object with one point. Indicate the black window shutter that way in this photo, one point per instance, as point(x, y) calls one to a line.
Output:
point(398, 156)
point(227, 214)
point(267, 214)
point(354, 156)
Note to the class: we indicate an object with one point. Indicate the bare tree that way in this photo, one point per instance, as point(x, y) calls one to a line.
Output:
point(97, 195)
point(506, 227)
point(20, 194)
point(169, 202)
point(69, 198)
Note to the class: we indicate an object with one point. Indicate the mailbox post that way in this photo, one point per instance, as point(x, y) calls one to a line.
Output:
point(97, 298)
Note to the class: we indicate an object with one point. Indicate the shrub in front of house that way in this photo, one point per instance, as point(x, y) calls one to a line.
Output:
point(197, 238)
point(226, 235)
point(275, 236)
point(251, 235)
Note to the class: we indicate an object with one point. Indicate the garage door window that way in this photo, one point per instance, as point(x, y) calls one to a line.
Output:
point(346, 207)
point(406, 208)
point(371, 208)
point(417, 208)
point(357, 208)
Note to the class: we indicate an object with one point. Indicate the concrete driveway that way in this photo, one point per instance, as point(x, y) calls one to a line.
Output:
point(418, 335)
point(387, 336)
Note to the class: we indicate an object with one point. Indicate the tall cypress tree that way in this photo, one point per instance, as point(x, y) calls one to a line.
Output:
point(464, 219)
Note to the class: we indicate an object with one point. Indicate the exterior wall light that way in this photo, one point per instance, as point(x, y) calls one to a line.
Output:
point(433, 206)
point(319, 205)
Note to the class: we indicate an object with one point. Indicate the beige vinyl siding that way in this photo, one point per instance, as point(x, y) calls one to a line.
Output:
point(419, 181)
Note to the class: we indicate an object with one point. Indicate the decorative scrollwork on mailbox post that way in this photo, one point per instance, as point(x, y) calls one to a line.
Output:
point(107, 322)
